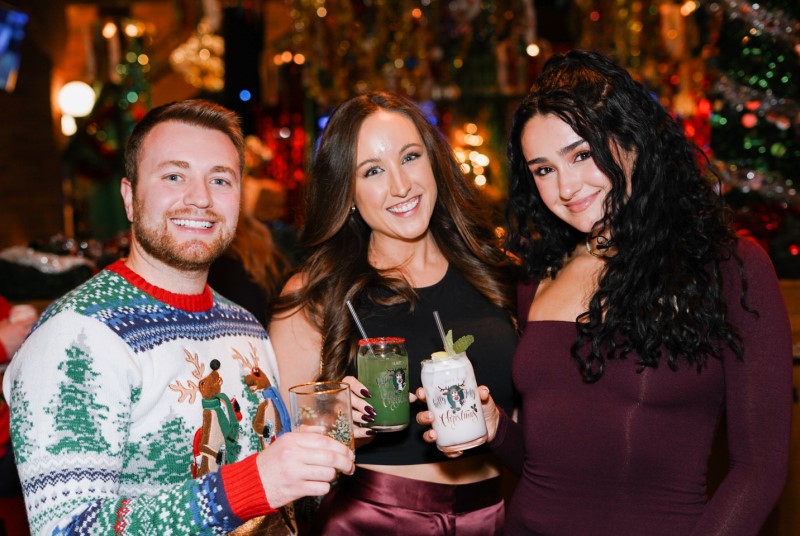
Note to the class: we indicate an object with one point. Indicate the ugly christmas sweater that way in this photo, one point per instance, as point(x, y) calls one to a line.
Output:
point(125, 394)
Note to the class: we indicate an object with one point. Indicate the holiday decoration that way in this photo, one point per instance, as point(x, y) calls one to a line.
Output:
point(419, 49)
point(728, 72)
point(120, 56)
point(462, 61)
point(200, 59)
point(755, 122)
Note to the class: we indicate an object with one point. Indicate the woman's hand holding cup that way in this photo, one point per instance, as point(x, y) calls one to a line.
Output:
point(490, 413)
point(363, 412)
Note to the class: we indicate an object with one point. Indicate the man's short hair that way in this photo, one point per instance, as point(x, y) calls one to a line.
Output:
point(197, 112)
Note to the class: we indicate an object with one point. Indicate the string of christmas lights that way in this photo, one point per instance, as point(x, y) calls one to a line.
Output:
point(775, 22)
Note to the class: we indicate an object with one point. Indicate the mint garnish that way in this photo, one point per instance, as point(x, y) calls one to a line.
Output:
point(459, 346)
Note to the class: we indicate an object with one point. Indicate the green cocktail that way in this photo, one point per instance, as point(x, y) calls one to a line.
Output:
point(382, 365)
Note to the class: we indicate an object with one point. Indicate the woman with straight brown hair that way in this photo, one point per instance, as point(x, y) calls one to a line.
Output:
point(393, 226)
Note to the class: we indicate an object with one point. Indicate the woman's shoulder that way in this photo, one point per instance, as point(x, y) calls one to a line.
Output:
point(747, 247)
point(291, 298)
point(296, 282)
point(755, 264)
point(753, 256)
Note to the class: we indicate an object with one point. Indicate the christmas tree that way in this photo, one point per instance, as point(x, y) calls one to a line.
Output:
point(21, 425)
point(728, 71)
point(170, 452)
point(94, 155)
point(755, 123)
point(77, 414)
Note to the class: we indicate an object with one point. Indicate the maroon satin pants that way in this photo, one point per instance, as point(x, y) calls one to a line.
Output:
point(377, 504)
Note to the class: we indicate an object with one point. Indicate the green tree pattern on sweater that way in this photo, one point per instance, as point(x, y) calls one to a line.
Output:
point(77, 413)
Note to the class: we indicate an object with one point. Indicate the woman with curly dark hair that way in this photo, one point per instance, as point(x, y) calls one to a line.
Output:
point(645, 320)
point(393, 226)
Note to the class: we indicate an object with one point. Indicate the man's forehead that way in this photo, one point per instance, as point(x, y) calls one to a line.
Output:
point(172, 125)
point(170, 148)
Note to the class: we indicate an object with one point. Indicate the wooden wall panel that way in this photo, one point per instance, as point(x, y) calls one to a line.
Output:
point(30, 174)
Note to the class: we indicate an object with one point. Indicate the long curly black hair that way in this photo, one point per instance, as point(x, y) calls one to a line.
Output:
point(661, 288)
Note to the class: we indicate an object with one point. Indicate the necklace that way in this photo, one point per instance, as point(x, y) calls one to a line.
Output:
point(592, 252)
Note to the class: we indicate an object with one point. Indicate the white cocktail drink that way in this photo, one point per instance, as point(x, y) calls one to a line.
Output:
point(452, 396)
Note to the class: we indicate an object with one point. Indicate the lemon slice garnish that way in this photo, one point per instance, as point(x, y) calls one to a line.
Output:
point(439, 356)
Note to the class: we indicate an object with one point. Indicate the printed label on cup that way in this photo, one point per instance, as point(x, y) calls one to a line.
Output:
point(452, 396)
point(383, 368)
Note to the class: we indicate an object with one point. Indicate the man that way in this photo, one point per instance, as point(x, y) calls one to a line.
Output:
point(133, 383)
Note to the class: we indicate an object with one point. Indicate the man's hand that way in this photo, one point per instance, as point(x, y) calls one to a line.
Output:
point(302, 464)
point(490, 413)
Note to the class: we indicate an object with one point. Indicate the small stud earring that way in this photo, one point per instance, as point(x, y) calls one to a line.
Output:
point(353, 209)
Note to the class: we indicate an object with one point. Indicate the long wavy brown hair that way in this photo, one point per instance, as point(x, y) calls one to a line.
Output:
point(337, 267)
point(262, 260)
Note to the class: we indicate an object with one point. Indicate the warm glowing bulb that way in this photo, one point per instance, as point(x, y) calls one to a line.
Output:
point(68, 125)
point(688, 8)
point(473, 139)
point(109, 30)
point(533, 50)
point(76, 99)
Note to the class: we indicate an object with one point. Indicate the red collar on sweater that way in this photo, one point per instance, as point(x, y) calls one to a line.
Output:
point(194, 303)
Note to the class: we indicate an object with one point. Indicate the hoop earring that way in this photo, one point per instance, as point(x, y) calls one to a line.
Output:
point(601, 245)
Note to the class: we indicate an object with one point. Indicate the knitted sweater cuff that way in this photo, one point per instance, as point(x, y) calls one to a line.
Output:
point(244, 490)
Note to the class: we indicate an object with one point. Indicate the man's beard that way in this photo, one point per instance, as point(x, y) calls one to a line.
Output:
point(190, 255)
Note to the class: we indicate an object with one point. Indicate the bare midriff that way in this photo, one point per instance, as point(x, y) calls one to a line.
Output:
point(456, 471)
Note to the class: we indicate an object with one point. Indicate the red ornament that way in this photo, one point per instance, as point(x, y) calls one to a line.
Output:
point(749, 120)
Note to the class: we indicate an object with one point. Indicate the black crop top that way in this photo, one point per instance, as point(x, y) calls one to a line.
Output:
point(467, 312)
